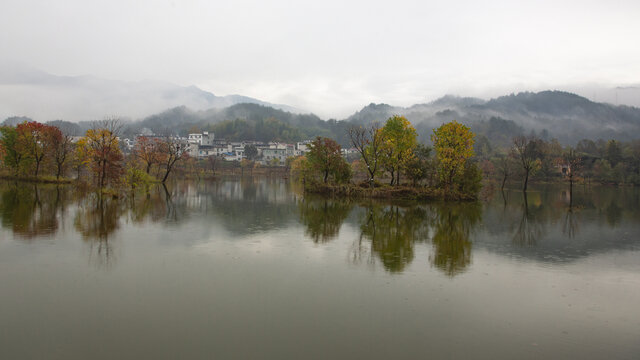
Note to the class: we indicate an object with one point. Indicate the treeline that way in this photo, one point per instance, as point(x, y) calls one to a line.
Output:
point(392, 152)
point(41, 152)
point(457, 162)
point(452, 167)
point(531, 157)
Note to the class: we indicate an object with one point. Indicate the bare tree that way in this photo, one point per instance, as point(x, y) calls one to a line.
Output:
point(103, 148)
point(173, 151)
point(61, 148)
point(525, 151)
point(213, 162)
point(574, 162)
point(504, 164)
point(368, 141)
point(147, 149)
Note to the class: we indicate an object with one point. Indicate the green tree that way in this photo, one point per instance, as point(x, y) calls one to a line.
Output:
point(613, 153)
point(397, 149)
point(299, 169)
point(325, 157)
point(470, 180)
point(453, 143)
point(420, 166)
point(12, 156)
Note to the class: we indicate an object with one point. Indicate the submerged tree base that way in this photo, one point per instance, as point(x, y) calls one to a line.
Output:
point(40, 179)
point(388, 192)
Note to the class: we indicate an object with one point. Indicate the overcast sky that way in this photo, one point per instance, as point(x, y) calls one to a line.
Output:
point(332, 57)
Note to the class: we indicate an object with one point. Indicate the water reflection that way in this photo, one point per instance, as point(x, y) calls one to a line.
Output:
point(392, 232)
point(535, 226)
point(529, 228)
point(32, 211)
point(97, 218)
point(323, 218)
point(451, 242)
point(571, 225)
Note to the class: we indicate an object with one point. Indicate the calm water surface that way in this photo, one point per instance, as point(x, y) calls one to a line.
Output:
point(249, 269)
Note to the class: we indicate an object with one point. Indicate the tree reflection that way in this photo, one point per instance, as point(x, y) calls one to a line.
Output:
point(323, 217)
point(31, 211)
point(571, 224)
point(392, 232)
point(451, 244)
point(529, 229)
point(613, 214)
point(96, 220)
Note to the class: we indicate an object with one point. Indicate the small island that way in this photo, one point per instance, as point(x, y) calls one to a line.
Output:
point(392, 152)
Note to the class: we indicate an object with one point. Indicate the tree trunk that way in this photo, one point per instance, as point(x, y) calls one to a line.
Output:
point(166, 175)
point(59, 171)
point(526, 180)
point(103, 175)
point(371, 179)
point(148, 168)
point(504, 180)
point(570, 191)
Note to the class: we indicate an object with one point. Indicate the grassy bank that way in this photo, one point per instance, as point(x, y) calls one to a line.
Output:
point(386, 192)
point(40, 179)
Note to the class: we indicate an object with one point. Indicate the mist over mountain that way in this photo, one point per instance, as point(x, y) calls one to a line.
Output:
point(243, 122)
point(30, 92)
point(70, 102)
point(551, 114)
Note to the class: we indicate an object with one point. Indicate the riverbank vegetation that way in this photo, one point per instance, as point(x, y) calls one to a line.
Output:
point(392, 152)
point(43, 153)
point(534, 158)
point(384, 160)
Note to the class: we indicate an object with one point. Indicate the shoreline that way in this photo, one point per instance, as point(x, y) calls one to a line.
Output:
point(387, 192)
point(38, 180)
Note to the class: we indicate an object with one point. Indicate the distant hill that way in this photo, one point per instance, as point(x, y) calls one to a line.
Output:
point(549, 114)
point(44, 96)
point(552, 114)
point(242, 122)
point(15, 120)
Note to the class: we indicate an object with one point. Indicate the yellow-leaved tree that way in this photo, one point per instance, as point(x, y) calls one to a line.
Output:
point(453, 143)
point(400, 139)
point(100, 150)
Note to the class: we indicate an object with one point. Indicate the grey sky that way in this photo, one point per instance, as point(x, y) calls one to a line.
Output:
point(332, 57)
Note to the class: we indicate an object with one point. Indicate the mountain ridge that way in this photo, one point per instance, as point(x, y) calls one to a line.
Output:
point(38, 94)
point(551, 113)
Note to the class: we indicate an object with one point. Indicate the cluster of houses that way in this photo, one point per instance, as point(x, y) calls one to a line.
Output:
point(203, 145)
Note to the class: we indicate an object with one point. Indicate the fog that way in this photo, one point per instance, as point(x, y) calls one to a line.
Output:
point(328, 57)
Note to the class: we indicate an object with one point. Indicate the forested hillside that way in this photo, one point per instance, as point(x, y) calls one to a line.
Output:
point(549, 114)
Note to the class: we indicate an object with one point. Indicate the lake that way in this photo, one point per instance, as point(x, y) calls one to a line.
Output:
point(250, 269)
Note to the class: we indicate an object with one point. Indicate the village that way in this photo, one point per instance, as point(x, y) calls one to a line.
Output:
point(204, 144)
